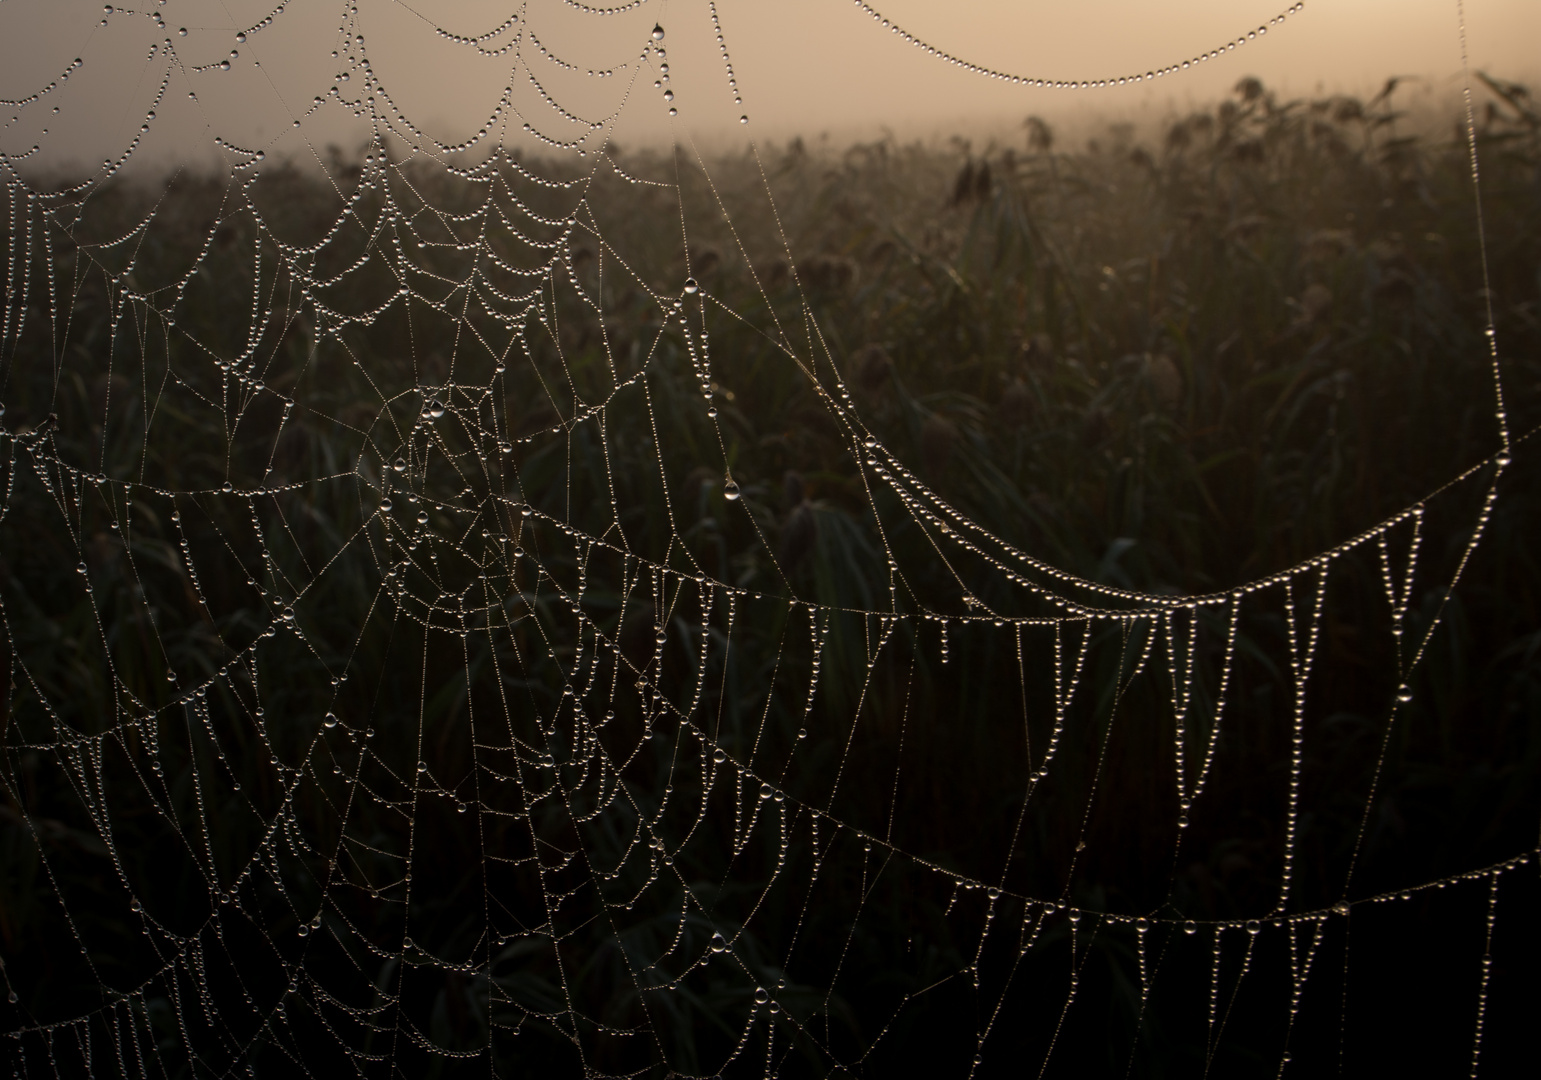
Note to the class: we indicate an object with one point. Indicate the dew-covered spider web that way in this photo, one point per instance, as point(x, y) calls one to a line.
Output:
point(492, 605)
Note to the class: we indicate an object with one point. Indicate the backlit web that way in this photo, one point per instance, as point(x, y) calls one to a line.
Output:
point(423, 660)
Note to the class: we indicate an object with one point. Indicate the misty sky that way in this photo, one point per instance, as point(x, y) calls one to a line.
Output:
point(802, 66)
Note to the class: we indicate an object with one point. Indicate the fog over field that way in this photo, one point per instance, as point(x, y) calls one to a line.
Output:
point(803, 67)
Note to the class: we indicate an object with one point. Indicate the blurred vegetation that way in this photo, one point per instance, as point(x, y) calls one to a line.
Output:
point(1173, 367)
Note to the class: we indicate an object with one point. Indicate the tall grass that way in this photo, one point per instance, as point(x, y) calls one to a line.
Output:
point(1171, 367)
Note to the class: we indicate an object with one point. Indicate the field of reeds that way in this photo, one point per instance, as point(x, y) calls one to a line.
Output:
point(1172, 365)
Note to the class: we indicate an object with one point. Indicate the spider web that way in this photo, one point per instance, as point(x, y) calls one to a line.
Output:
point(387, 695)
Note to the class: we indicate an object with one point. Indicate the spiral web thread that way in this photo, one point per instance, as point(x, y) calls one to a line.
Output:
point(595, 770)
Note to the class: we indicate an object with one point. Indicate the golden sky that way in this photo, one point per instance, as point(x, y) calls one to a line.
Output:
point(801, 66)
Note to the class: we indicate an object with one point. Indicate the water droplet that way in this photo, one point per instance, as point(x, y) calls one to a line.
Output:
point(691, 286)
point(760, 995)
point(385, 505)
point(228, 487)
point(730, 491)
point(81, 567)
point(1190, 927)
point(657, 32)
point(527, 510)
point(400, 465)
point(718, 943)
point(765, 792)
point(719, 756)
point(288, 614)
point(304, 930)
point(422, 517)
point(11, 997)
point(1404, 693)
point(435, 409)
point(331, 720)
